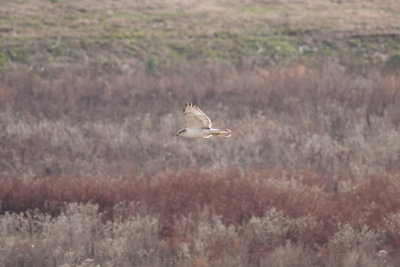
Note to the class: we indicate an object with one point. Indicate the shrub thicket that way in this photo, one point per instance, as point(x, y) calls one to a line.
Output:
point(309, 176)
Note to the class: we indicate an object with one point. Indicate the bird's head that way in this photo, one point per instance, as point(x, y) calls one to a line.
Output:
point(181, 132)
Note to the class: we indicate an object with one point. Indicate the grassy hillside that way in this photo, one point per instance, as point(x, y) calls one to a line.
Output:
point(150, 34)
point(91, 95)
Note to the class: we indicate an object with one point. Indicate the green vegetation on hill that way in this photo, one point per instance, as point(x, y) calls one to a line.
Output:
point(122, 34)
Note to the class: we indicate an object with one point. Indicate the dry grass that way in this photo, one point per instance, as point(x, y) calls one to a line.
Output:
point(198, 218)
point(292, 118)
point(234, 198)
point(352, 17)
point(309, 177)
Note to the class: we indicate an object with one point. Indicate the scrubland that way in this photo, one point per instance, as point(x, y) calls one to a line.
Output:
point(92, 174)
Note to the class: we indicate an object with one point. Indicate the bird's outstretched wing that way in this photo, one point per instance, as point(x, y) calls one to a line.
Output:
point(195, 118)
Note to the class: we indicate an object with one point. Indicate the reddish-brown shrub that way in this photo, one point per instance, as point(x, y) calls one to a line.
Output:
point(233, 198)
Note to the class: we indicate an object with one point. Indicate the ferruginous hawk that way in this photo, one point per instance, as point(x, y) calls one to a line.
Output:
point(198, 125)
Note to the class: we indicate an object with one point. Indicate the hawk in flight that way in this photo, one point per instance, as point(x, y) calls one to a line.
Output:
point(198, 125)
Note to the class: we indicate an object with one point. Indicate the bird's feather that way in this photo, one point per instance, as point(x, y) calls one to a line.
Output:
point(195, 118)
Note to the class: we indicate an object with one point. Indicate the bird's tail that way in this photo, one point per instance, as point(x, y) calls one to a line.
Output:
point(222, 133)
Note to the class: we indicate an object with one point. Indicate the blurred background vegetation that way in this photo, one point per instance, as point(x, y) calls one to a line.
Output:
point(91, 95)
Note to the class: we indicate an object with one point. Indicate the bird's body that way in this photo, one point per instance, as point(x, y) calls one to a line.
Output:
point(198, 125)
point(204, 133)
